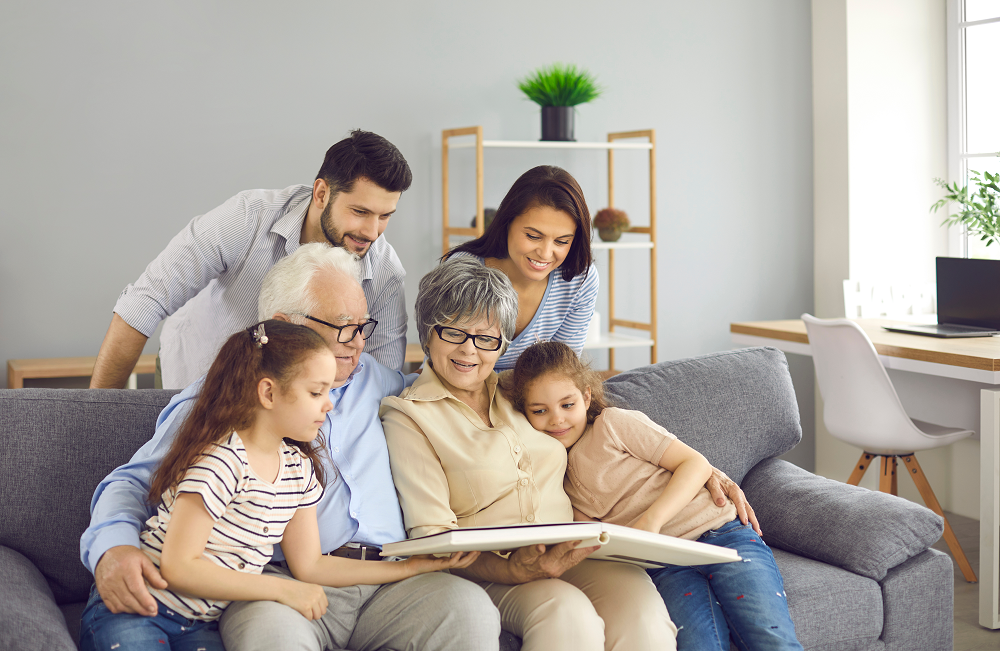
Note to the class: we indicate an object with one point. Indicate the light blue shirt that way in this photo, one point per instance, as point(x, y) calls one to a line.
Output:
point(359, 501)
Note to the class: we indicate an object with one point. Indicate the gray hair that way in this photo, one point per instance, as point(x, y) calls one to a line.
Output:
point(286, 286)
point(462, 289)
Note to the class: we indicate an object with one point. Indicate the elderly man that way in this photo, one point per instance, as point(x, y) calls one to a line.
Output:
point(207, 279)
point(316, 286)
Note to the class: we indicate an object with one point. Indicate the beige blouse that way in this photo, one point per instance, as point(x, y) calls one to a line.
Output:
point(451, 470)
point(615, 475)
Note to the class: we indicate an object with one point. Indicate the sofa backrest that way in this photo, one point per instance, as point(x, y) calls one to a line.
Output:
point(56, 445)
point(735, 407)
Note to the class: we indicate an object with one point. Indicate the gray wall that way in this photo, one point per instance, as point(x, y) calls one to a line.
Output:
point(120, 121)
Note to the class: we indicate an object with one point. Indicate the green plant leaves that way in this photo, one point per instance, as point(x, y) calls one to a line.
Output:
point(560, 85)
point(980, 214)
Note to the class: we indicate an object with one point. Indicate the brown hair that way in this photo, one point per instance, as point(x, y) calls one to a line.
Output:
point(545, 185)
point(228, 398)
point(559, 359)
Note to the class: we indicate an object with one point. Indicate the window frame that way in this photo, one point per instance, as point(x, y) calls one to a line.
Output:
point(958, 156)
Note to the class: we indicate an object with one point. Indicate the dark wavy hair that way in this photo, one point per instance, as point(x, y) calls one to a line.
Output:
point(556, 358)
point(228, 399)
point(545, 185)
point(367, 155)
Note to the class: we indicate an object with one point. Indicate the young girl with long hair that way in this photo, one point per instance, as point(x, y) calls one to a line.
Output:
point(540, 239)
point(244, 472)
point(625, 469)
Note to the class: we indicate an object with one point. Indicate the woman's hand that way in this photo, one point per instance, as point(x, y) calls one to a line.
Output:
point(721, 486)
point(536, 562)
point(430, 563)
point(307, 598)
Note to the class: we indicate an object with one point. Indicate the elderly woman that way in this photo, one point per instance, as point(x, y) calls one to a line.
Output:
point(462, 456)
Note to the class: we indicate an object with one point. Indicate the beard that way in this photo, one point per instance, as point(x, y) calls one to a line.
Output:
point(336, 237)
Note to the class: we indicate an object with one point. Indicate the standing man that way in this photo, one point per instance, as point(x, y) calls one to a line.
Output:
point(318, 287)
point(208, 278)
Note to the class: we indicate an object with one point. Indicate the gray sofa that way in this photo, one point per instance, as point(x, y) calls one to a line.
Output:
point(858, 570)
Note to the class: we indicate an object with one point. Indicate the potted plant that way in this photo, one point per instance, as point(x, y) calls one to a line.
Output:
point(488, 215)
point(557, 89)
point(611, 223)
point(980, 208)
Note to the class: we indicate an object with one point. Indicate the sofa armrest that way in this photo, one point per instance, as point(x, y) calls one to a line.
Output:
point(29, 617)
point(918, 601)
point(863, 531)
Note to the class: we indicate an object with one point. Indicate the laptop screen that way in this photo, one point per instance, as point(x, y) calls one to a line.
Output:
point(968, 292)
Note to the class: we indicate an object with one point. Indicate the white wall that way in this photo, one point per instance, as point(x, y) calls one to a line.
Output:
point(880, 116)
point(121, 121)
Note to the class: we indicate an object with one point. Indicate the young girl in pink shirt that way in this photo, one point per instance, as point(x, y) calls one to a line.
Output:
point(625, 469)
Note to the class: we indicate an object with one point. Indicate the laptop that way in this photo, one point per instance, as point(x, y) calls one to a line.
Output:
point(968, 300)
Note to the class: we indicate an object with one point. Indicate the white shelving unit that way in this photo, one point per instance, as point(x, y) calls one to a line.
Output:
point(610, 339)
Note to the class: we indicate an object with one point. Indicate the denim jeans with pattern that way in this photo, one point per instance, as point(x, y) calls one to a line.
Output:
point(102, 630)
point(742, 601)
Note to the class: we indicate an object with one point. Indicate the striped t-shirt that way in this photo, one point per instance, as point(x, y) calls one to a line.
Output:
point(250, 514)
point(563, 315)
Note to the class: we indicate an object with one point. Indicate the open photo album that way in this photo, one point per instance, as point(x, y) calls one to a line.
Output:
point(617, 543)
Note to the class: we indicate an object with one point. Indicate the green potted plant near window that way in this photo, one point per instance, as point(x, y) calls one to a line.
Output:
point(558, 89)
point(611, 223)
point(980, 207)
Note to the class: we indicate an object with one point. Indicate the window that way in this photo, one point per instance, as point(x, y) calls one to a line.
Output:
point(974, 100)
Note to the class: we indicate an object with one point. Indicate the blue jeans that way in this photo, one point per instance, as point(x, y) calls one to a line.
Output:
point(742, 601)
point(102, 630)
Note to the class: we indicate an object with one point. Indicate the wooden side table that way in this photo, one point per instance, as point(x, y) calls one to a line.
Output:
point(19, 370)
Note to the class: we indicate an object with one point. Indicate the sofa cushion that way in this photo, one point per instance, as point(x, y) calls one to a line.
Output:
point(832, 609)
point(864, 531)
point(56, 445)
point(29, 618)
point(735, 407)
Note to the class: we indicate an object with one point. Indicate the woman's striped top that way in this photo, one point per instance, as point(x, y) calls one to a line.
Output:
point(563, 315)
point(250, 514)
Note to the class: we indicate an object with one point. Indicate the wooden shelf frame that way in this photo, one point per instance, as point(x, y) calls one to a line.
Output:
point(609, 339)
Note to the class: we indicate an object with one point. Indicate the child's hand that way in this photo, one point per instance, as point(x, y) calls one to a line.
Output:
point(307, 598)
point(647, 523)
point(430, 563)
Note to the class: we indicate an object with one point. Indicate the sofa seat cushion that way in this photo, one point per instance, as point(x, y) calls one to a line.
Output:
point(735, 407)
point(30, 618)
point(864, 531)
point(57, 446)
point(832, 609)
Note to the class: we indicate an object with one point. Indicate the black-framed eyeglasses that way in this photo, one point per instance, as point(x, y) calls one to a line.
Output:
point(346, 333)
point(456, 336)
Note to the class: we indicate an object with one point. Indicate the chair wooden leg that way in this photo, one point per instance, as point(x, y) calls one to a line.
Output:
point(894, 489)
point(931, 501)
point(860, 468)
point(887, 475)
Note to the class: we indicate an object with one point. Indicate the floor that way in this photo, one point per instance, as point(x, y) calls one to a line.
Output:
point(969, 635)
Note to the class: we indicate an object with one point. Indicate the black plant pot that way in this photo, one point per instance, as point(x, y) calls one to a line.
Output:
point(557, 123)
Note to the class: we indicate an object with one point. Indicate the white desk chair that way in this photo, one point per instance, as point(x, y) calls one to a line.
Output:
point(860, 407)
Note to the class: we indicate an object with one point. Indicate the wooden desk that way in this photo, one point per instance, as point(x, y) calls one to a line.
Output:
point(976, 360)
point(19, 370)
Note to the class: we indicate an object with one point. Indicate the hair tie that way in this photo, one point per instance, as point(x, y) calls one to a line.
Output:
point(258, 334)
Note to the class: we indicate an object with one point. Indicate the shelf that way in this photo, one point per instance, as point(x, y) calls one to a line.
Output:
point(616, 340)
point(604, 246)
point(549, 144)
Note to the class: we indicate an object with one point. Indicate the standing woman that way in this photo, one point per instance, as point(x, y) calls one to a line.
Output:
point(540, 239)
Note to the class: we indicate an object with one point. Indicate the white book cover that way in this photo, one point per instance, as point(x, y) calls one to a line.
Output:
point(617, 543)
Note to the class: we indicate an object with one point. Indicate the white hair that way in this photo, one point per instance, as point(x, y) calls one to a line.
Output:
point(286, 286)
